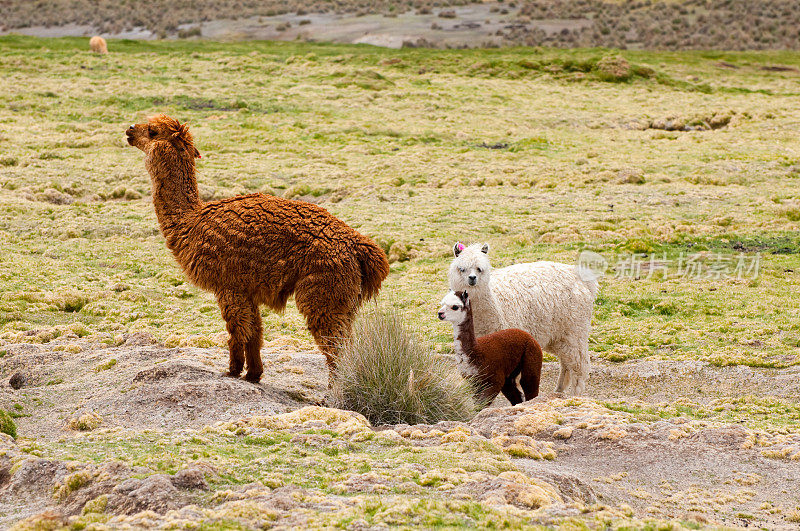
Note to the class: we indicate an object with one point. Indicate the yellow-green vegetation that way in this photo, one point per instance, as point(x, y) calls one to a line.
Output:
point(386, 373)
point(672, 159)
point(7, 424)
point(527, 149)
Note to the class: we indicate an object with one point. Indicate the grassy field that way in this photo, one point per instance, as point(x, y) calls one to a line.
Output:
point(530, 150)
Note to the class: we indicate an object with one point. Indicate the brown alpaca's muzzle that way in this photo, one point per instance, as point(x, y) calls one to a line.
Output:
point(129, 134)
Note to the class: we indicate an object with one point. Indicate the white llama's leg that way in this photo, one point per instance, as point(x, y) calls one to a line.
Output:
point(574, 365)
point(563, 380)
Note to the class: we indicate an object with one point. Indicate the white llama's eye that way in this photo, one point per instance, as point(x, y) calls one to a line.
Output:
point(455, 307)
point(480, 270)
point(462, 269)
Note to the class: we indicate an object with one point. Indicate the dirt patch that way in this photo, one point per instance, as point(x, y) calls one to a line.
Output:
point(150, 386)
point(567, 453)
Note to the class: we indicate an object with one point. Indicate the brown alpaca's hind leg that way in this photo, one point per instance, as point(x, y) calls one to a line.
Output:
point(329, 305)
point(244, 326)
point(253, 350)
point(328, 332)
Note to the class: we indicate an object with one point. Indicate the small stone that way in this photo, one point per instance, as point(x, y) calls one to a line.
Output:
point(190, 478)
point(17, 380)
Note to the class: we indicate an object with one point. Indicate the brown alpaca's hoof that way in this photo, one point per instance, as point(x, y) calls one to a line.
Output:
point(231, 374)
point(252, 378)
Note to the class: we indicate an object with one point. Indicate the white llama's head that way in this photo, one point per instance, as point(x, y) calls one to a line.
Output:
point(471, 268)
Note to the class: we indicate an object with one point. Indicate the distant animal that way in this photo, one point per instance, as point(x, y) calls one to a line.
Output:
point(496, 360)
point(98, 44)
point(551, 301)
point(257, 249)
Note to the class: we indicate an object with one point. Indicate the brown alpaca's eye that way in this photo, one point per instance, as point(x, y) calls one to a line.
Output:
point(455, 307)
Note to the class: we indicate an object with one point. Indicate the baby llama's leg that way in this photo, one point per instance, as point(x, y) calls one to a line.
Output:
point(489, 393)
point(510, 389)
point(531, 373)
point(238, 314)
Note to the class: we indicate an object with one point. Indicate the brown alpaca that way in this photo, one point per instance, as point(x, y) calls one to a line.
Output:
point(494, 360)
point(98, 44)
point(257, 249)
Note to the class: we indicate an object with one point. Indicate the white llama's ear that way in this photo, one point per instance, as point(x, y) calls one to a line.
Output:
point(485, 248)
point(457, 248)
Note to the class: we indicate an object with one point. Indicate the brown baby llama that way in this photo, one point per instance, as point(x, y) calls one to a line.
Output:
point(494, 360)
point(257, 249)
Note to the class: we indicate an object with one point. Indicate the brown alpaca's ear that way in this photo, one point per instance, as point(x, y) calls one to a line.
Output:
point(197, 153)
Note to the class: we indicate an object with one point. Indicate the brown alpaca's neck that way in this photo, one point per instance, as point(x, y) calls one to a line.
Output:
point(465, 335)
point(174, 184)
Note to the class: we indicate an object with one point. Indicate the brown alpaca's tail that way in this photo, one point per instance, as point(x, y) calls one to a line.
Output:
point(374, 268)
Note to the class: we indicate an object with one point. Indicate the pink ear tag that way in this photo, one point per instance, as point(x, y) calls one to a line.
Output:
point(460, 246)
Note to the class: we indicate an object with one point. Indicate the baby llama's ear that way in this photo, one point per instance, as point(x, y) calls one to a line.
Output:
point(457, 248)
point(485, 248)
point(464, 296)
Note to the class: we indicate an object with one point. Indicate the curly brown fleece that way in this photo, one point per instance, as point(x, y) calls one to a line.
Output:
point(257, 249)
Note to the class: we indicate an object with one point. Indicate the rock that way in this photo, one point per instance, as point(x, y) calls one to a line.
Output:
point(17, 380)
point(732, 436)
point(190, 478)
point(36, 477)
point(153, 493)
point(51, 195)
point(630, 176)
point(139, 339)
point(5, 470)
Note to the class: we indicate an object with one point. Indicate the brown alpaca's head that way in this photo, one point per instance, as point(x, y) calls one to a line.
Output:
point(162, 128)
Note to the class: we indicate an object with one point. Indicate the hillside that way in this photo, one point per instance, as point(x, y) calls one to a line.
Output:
point(634, 24)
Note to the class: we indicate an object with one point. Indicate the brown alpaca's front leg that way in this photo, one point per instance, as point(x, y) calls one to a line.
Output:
point(240, 314)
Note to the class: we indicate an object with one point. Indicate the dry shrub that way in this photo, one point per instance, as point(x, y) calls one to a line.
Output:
point(386, 373)
point(7, 424)
point(614, 68)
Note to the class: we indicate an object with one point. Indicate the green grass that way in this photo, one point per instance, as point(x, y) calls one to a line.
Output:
point(523, 148)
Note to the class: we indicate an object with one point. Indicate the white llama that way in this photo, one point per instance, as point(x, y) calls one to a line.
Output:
point(551, 301)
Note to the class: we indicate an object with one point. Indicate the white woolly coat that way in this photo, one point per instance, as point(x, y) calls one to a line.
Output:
point(547, 299)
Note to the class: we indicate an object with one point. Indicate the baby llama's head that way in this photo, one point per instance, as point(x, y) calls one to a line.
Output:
point(162, 128)
point(471, 268)
point(454, 307)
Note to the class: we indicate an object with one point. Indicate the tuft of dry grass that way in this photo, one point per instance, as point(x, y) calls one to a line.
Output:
point(386, 373)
